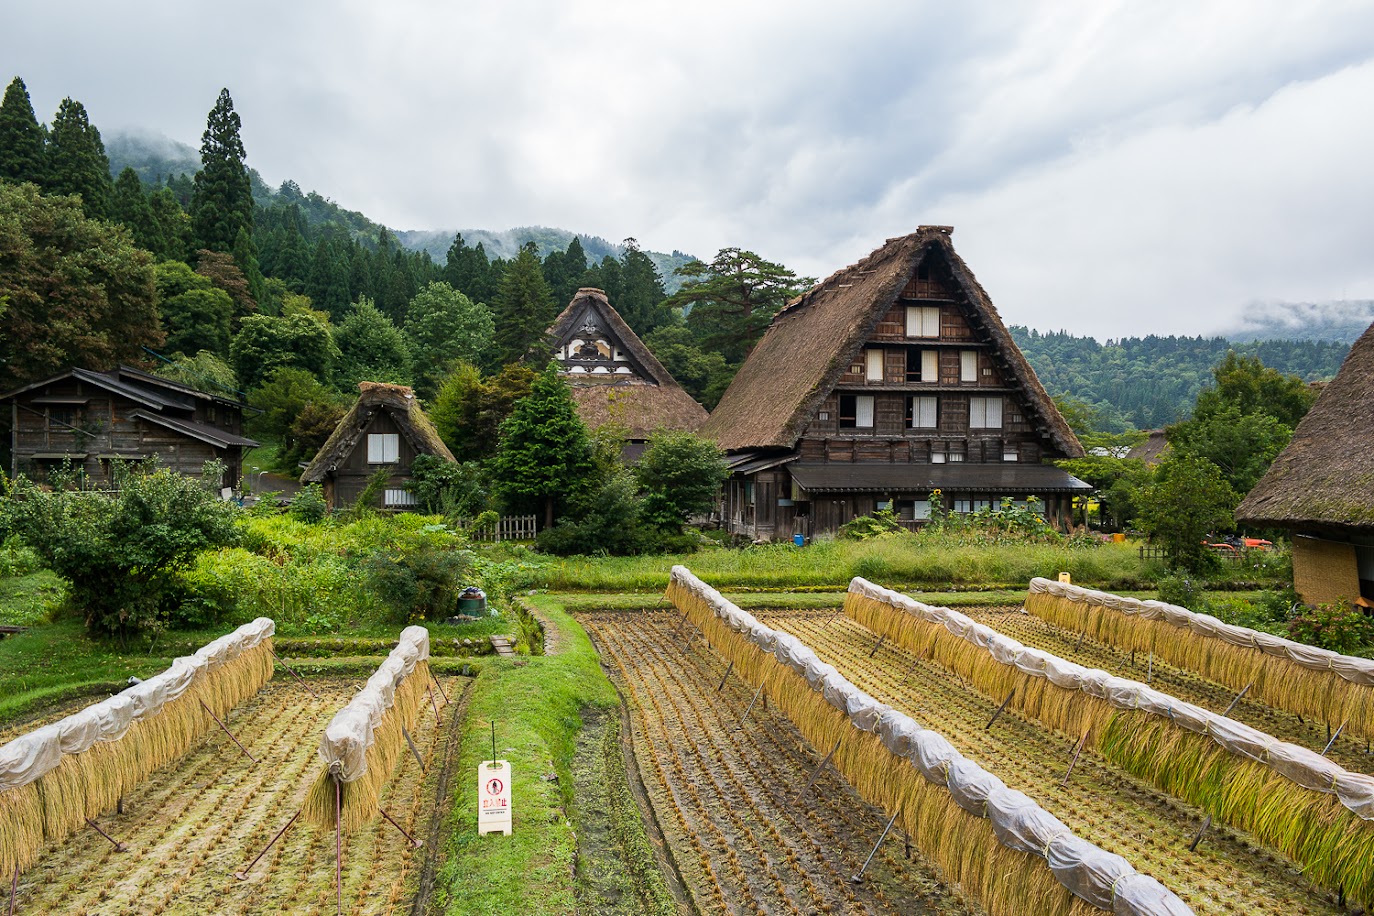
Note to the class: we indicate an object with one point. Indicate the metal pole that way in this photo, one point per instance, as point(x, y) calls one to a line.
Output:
point(1192, 847)
point(243, 875)
point(226, 730)
point(728, 669)
point(1150, 671)
point(119, 847)
point(1333, 739)
point(413, 749)
point(338, 841)
point(881, 640)
point(999, 709)
point(294, 674)
point(493, 742)
point(414, 842)
point(434, 678)
point(817, 771)
point(860, 876)
point(14, 889)
point(1073, 763)
point(757, 693)
point(1243, 692)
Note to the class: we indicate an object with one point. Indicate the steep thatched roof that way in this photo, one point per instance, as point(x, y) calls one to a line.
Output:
point(647, 400)
point(1325, 478)
point(810, 343)
point(398, 401)
point(1151, 451)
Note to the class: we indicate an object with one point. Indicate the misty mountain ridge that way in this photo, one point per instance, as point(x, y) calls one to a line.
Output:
point(1341, 321)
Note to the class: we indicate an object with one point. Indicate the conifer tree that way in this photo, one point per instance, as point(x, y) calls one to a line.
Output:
point(21, 136)
point(222, 199)
point(524, 306)
point(642, 295)
point(76, 162)
point(545, 454)
point(130, 206)
point(173, 225)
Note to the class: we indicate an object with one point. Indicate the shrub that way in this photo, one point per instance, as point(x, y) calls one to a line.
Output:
point(309, 504)
point(1181, 589)
point(421, 583)
point(1340, 627)
point(881, 522)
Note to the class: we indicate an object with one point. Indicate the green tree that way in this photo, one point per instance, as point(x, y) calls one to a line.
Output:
point(204, 371)
point(130, 207)
point(327, 283)
point(468, 410)
point(680, 474)
point(265, 343)
point(544, 455)
point(704, 376)
point(76, 162)
point(371, 348)
point(79, 292)
point(118, 553)
point(223, 273)
point(643, 300)
point(733, 299)
point(21, 137)
point(524, 307)
point(173, 226)
point(1252, 387)
point(443, 327)
point(1188, 500)
point(469, 271)
point(296, 410)
point(563, 270)
point(222, 200)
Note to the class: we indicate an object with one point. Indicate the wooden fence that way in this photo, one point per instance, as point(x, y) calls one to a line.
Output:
point(508, 528)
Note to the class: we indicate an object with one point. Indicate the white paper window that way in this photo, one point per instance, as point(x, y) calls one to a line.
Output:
point(923, 412)
point(920, 508)
point(383, 448)
point(985, 413)
point(956, 456)
point(1010, 453)
point(399, 498)
point(937, 453)
point(930, 366)
point(963, 506)
point(863, 411)
point(873, 362)
point(922, 321)
point(968, 365)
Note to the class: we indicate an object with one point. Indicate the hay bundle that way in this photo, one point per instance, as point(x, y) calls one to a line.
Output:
point(55, 777)
point(1291, 798)
point(1289, 675)
point(363, 741)
point(994, 841)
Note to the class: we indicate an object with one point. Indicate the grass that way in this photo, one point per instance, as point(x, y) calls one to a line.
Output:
point(536, 705)
point(26, 600)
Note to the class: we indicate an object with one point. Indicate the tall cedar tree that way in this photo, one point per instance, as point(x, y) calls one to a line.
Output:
point(564, 271)
point(544, 458)
point(222, 199)
point(131, 207)
point(642, 295)
point(76, 162)
point(21, 137)
point(524, 306)
point(734, 298)
point(468, 410)
point(79, 292)
point(467, 270)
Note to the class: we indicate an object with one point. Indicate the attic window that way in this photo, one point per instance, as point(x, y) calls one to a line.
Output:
point(383, 448)
point(968, 365)
point(873, 365)
point(922, 321)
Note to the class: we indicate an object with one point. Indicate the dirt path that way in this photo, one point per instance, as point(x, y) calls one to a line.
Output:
point(726, 791)
point(195, 822)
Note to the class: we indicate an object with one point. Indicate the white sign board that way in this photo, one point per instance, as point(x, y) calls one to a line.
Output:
point(493, 797)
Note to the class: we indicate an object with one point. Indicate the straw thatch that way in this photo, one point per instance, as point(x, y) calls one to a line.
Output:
point(816, 337)
point(1325, 477)
point(646, 399)
point(373, 397)
point(1334, 845)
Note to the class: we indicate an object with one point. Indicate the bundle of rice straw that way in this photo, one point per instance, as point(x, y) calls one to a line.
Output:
point(55, 777)
point(363, 741)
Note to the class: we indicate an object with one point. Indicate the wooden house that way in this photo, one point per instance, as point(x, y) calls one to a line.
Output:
point(1321, 487)
point(385, 429)
point(93, 419)
point(891, 383)
point(614, 377)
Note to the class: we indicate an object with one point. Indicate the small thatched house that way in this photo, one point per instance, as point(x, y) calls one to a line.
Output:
point(891, 383)
point(90, 420)
point(1152, 450)
point(1321, 487)
point(385, 429)
point(614, 377)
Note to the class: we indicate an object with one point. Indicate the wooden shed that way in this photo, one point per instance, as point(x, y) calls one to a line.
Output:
point(90, 420)
point(892, 383)
point(385, 429)
point(1321, 487)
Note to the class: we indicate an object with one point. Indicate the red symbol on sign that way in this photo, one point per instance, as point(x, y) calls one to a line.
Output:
point(494, 786)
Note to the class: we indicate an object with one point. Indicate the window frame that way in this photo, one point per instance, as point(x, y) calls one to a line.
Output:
point(383, 444)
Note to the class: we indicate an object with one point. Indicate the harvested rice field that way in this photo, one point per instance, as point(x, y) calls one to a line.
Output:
point(1228, 873)
point(723, 788)
point(195, 822)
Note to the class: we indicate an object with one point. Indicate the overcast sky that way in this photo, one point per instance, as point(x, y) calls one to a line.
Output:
point(1110, 168)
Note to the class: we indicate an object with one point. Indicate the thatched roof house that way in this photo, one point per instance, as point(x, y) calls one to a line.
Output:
point(892, 378)
point(1321, 487)
point(614, 376)
point(385, 428)
point(1152, 450)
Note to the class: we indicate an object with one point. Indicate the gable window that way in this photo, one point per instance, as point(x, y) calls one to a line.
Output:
point(922, 366)
point(968, 365)
point(985, 413)
point(922, 321)
point(937, 453)
point(397, 498)
point(383, 448)
point(856, 411)
point(922, 412)
point(873, 365)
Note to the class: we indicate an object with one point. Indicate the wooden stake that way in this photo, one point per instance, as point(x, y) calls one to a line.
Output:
point(338, 842)
point(831, 619)
point(681, 620)
point(1150, 672)
point(1078, 645)
point(881, 640)
point(292, 672)
point(1192, 847)
point(438, 719)
point(728, 669)
point(439, 685)
point(14, 889)
point(119, 847)
point(226, 730)
point(413, 749)
point(1073, 763)
point(414, 842)
point(999, 709)
point(757, 693)
point(243, 875)
point(1243, 692)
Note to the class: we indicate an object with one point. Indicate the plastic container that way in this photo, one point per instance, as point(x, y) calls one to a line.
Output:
point(799, 540)
point(473, 602)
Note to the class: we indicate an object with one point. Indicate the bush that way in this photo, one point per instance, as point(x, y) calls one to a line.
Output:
point(609, 523)
point(881, 522)
point(1185, 591)
point(421, 583)
point(1340, 627)
point(309, 504)
point(17, 560)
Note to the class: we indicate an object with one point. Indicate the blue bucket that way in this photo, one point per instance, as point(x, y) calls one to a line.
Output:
point(799, 540)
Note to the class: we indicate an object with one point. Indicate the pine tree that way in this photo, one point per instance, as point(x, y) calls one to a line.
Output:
point(545, 455)
point(222, 199)
point(76, 160)
point(642, 295)
point(173, 225)
point(130, 206)
point(524, 306)
point(21, 137)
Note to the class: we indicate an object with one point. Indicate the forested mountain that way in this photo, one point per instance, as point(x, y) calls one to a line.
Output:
point(1149, 382)
point(1343, 321)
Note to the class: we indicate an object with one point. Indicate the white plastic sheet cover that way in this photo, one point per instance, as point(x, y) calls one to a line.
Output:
point(350, 733)
point(1304, 767)
point(1103, 879)
point(30, 756)
point(1353, 669)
